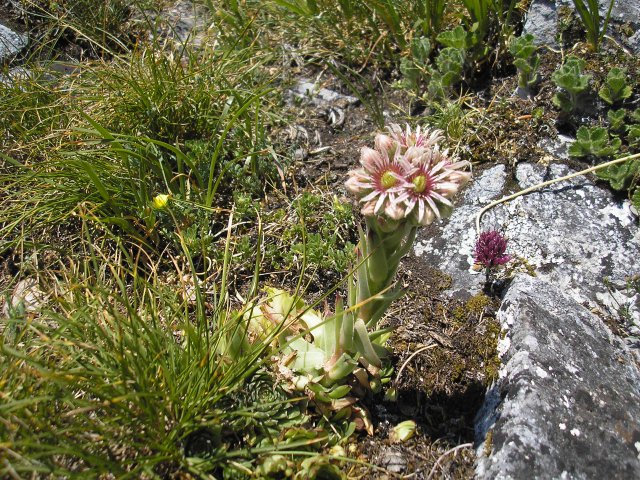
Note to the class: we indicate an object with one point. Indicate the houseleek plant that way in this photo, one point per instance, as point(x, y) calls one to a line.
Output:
point(337, 357)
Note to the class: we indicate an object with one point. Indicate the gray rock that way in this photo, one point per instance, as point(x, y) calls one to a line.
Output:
point(449, 245)
point(26, 296)
point(393, 460)
point(179, 22)
point(11, 43)
point(543, 16)
point(573, 234)
point(567, 403)
point(15, 75)
point(321, 97)
point(542, 22)
point(558, 147)
point(186, 20)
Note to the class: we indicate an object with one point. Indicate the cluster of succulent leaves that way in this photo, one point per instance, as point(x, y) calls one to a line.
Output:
point(448, 66)
point(625, 176)
point(332, 357)
point(624, 128)
point(615, 88)
point(526, 60)
point(572, 84)
point(594, 141)
point(461, 48)
point(598, 141)
point(621, 121)
point(451, 61)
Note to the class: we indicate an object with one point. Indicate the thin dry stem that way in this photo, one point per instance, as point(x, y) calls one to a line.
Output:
point(547, 183)
point(452, 450)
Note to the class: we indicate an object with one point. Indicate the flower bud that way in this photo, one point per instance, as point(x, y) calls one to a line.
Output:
point(385, 143)
point(161, 201)
point(403, 431)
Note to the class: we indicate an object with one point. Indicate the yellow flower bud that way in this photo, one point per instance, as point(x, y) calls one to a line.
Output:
point(161, 201)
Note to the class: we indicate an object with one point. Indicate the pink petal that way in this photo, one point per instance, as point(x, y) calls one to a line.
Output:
point(433, 206)
point(441, 199)
point(370, 196)
point(379, 203)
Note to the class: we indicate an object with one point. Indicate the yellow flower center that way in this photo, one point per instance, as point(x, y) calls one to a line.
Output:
point(419, 183)
point(388, 180)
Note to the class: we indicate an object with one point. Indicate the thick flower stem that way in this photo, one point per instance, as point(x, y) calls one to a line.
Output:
point(385, 250)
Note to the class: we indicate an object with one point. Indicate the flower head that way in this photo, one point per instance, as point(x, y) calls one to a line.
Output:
point(433, 179)
point(414, 138)
point(378, 183)
point(407, 176)
point(490, 249)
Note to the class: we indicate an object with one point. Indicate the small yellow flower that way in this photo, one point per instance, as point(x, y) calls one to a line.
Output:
point(161, 201)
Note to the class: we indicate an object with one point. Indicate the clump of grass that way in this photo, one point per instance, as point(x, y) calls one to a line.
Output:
point(97, 27)
point(129, 376)
point(127, 134)
point(353, 30)
point(35, 109)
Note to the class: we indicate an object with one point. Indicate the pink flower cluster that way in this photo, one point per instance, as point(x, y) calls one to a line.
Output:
point(490, 249)
point(406, 175)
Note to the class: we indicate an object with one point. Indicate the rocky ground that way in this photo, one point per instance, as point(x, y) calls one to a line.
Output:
point(562, 398)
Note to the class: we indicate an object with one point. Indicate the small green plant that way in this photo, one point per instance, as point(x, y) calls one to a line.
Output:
point(622, 176)
point(633, 130)
point(572, 82)
point(415, 66)
point(451, 62)
point(526, 60)
point(320, 235)
point(594, 141)
point(616, 119)
point(457, 38)
point(633, 135)
point(615, 88)
point(590, 16)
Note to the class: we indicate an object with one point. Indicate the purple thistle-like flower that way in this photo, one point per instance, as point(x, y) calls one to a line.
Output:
point(490, 249)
